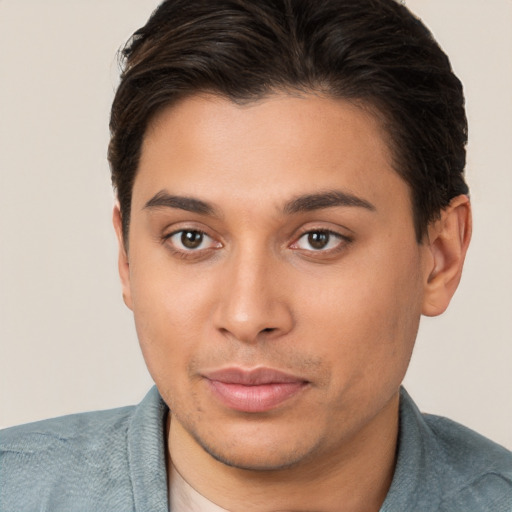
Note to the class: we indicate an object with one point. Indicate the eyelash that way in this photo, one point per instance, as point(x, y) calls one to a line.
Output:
point(186, 253)
point(196, 253)
point(342, 242)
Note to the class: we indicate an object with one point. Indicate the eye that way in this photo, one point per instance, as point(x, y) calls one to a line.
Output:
point(319, 240)
point(188, 240)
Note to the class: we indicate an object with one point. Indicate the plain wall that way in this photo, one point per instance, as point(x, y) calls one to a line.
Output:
point(67, 341)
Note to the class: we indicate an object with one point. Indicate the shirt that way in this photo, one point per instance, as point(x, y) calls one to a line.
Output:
point(184, 498)
point(115, 461)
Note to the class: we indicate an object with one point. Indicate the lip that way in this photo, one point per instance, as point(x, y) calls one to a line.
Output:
point(255, 390)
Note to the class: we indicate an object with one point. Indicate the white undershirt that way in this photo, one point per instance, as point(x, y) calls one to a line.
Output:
point(184, 498)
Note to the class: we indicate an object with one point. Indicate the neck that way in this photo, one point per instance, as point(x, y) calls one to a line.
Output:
point(353, 478)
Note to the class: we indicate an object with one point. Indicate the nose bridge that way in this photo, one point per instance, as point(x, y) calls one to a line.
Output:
point(251, 304)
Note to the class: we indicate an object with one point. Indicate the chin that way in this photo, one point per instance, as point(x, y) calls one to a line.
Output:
point(258, 448)
point(258, 460)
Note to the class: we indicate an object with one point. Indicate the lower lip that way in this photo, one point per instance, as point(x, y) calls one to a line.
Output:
point(260, 398)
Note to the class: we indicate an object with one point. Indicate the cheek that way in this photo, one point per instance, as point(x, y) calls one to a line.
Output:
point(171, 312)
point(366, 318)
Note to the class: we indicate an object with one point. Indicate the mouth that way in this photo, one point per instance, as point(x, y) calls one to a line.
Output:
point(256, 390)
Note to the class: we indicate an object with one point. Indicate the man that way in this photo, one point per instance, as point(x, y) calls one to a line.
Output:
point(291, 199)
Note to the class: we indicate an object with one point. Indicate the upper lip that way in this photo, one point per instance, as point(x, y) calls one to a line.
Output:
point(251, 377)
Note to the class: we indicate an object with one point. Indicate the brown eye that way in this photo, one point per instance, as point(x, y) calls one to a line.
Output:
point(318, 239)
point(321, 241)
point(191, 239)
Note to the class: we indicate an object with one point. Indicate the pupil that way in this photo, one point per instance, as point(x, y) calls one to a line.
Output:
point(318, 240)
point(191, 239)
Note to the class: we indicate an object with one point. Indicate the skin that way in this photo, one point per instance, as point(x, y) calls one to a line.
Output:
point(257, 293)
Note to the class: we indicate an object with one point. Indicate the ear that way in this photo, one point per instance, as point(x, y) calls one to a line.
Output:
point(448, 241)
point(123, 261)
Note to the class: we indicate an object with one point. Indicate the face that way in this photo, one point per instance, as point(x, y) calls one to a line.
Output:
point(274, 275)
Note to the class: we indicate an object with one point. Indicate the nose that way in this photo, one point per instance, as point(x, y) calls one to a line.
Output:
point(252, 303)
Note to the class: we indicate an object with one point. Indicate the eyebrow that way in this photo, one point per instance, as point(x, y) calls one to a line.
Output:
point(300, 204)
point(327, 199)
point(165, 200)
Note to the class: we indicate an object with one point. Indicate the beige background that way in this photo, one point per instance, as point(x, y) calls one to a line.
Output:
point(68, 343)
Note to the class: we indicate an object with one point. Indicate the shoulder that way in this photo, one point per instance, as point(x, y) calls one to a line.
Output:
point(101, 461)
point(443, 466)
point(44, 460)
point(463, 446)
point(84, 431)
point(478, 471)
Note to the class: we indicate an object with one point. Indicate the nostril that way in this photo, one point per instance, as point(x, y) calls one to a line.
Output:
point(269, 329)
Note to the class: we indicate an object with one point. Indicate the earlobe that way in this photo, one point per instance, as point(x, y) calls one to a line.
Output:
point(448, 241)
point(123, 261)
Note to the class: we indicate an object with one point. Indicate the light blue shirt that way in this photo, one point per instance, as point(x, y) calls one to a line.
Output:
point(115, 461)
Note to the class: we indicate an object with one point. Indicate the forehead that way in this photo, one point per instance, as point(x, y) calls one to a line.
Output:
point(274, 148)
